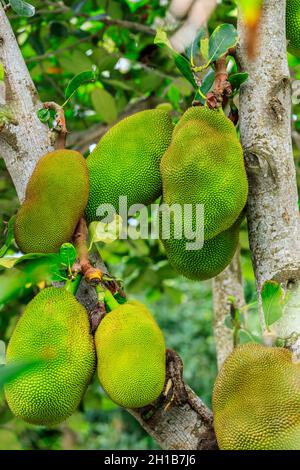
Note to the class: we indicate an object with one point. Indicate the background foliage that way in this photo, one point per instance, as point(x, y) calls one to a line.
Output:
point(61, 40)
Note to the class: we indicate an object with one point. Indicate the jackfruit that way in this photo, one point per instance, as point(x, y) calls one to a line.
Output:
point(55, 199)
point(204, 165)
point(53, 330)
point(126, 161)
point(131, 355)
point(206, 262)
point(293, 26)
point(256, 400)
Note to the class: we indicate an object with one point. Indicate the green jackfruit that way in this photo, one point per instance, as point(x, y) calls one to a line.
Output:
point(55, 199)
point(126, 161)
point(204, 165)
point(293, 26)
point(54, 329)
point(204, 263)
point(256, 400)
point(131, 355)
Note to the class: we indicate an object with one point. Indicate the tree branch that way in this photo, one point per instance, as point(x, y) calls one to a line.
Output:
point(265, 126)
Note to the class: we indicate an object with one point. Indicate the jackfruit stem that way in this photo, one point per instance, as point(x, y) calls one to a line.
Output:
point(222, 87)
point(91, 274)
point(110, 300)
point(72, 285)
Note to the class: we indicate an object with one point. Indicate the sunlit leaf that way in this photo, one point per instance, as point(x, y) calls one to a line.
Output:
point(105, 232)
point(162, 39)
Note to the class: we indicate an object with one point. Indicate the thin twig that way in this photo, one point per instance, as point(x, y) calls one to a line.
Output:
point(90, 273)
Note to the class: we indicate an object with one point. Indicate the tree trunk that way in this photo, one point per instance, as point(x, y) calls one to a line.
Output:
point(24, 139)
point(225, 285)
point(184, 426)
point(265, 126)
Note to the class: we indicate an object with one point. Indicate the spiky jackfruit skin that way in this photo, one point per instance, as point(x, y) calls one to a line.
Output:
point(256, 400)
point(126, 161)
point(206, 262)
point(54, 328)
point(204, 165)
point(293, 26)
point(55, 199)
point(131, 355)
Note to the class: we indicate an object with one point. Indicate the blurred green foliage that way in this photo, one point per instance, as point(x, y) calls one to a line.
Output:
point(61, 40)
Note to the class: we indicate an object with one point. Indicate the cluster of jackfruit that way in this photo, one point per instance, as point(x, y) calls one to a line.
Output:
point(204, 165)
point(142, 157)
point(54, 333)
point(256, 400)
point(293, 26)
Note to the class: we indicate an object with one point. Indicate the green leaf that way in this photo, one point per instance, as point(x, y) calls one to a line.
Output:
point(13, 371)
point(8, 438)
point(192, 50)
point(68, 254)
point(207, 83)
point(104, 105)
point(105, 232)
point(185, 68)
point(246, 337)
point(22, 8)
point(1, 72)
point(136, 4)
point(237, 79)
point(223, 38)
point(162, 39)
point(11, 261)
point(83, 77)
point(24, 275)
point(2, 353)
point(44, 115)
point(9, 236)
point(272, 300)
point(204, 48)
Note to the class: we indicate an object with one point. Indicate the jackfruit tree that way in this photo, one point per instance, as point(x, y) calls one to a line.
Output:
point(173, 105)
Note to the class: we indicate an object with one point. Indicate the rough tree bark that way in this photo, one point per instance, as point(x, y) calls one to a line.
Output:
point(228, 284)
point(25, 138)
point(185, 426)
point(265, 126)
